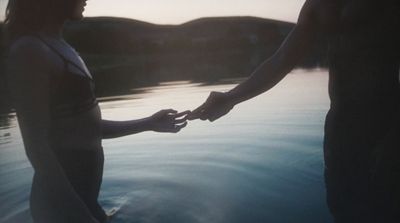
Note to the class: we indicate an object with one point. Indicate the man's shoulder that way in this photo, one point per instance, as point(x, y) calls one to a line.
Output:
point(321, 14)
point(318, 5)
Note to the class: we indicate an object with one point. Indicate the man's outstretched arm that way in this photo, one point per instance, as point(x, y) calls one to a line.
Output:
point(270, 72)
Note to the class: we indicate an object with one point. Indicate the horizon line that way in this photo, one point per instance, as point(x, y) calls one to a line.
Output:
point(2, 18)
point(189, 21)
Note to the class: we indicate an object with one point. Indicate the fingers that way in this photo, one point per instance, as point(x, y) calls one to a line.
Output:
point(201, 111)
point(169, 120)
point(216, 115)
point(195, 114)
point(212, 109)
point(204, 110)
point(164, 113)
point(168, 111)
point(204, 116)
point(179, 121)
point(175, 128)
point(179, 127)
point(180, 114)
point(198, 112)
point(175, 117)
point(173, 113)
point(185, 115)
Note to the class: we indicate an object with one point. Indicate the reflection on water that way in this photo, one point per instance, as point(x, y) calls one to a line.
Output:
point(261, 163)
point(15, 173)
point(5, 124)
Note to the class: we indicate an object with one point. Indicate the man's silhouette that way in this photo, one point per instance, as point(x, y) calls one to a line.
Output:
point(362, 127)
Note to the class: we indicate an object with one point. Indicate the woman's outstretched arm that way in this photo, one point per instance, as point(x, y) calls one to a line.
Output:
point(29, 68)
point(163, 121)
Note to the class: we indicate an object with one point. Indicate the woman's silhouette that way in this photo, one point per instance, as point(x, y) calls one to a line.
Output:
point(362, 131)
point(58, 113)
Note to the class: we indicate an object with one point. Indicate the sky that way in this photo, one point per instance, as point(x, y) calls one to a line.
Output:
point(180, 11)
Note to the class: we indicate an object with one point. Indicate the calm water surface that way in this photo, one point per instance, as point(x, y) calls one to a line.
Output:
point(262, 163)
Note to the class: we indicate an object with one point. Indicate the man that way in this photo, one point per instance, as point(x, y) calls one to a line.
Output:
point(362, 127)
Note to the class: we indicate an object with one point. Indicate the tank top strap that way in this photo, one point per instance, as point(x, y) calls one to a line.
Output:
point(66, 61)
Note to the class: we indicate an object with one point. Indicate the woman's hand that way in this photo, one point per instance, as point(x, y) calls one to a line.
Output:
point(168, 120)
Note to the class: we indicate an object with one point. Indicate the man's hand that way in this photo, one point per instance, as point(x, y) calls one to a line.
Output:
point(216, 106)
point(168, 120)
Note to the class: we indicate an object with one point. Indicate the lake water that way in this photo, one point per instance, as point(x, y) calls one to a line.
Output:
point(262, 163)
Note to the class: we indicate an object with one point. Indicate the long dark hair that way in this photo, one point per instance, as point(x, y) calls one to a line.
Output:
point(24, 17)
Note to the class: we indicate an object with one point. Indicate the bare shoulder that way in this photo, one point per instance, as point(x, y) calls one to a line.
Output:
point(320, 13)
point(31, 52)
point(28, 45)
point(28, 54)
point(309, 9)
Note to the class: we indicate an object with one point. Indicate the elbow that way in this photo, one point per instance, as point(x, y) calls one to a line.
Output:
point(279, 67)
point(285, 63)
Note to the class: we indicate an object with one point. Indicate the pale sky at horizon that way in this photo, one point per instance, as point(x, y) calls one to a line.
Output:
point(180, 11)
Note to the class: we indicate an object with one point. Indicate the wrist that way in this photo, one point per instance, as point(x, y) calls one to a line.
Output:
point(148, 124)
point(231, 98)
point(142, 125)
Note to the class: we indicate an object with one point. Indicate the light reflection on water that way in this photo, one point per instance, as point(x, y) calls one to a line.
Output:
point(261, 163)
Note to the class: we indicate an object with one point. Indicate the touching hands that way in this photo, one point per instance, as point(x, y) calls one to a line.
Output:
point(168, 120)
point(216, 106)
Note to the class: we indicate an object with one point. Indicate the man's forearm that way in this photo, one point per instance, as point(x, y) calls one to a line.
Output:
point(264, 78)
point(273, 70)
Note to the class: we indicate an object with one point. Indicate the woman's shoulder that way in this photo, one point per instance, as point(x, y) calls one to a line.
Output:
point(31, 53)
point(28, 46)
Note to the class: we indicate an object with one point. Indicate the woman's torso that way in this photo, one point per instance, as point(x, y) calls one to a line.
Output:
point(75, 114)
point(74, 131)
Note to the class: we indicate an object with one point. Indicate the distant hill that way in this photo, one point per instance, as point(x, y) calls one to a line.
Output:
point(115, 35)
point(124, 53)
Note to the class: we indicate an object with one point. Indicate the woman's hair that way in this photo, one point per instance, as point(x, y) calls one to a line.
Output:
point(24, 17)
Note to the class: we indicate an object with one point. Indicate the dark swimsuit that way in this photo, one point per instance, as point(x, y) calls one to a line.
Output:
point(71, 93)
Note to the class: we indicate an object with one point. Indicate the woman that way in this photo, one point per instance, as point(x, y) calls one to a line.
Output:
point(59, 116)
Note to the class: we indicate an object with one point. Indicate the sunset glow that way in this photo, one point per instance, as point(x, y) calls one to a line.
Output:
point(180, 11)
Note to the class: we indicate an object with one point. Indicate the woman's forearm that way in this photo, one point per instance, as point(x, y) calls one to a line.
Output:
point(115, 129)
